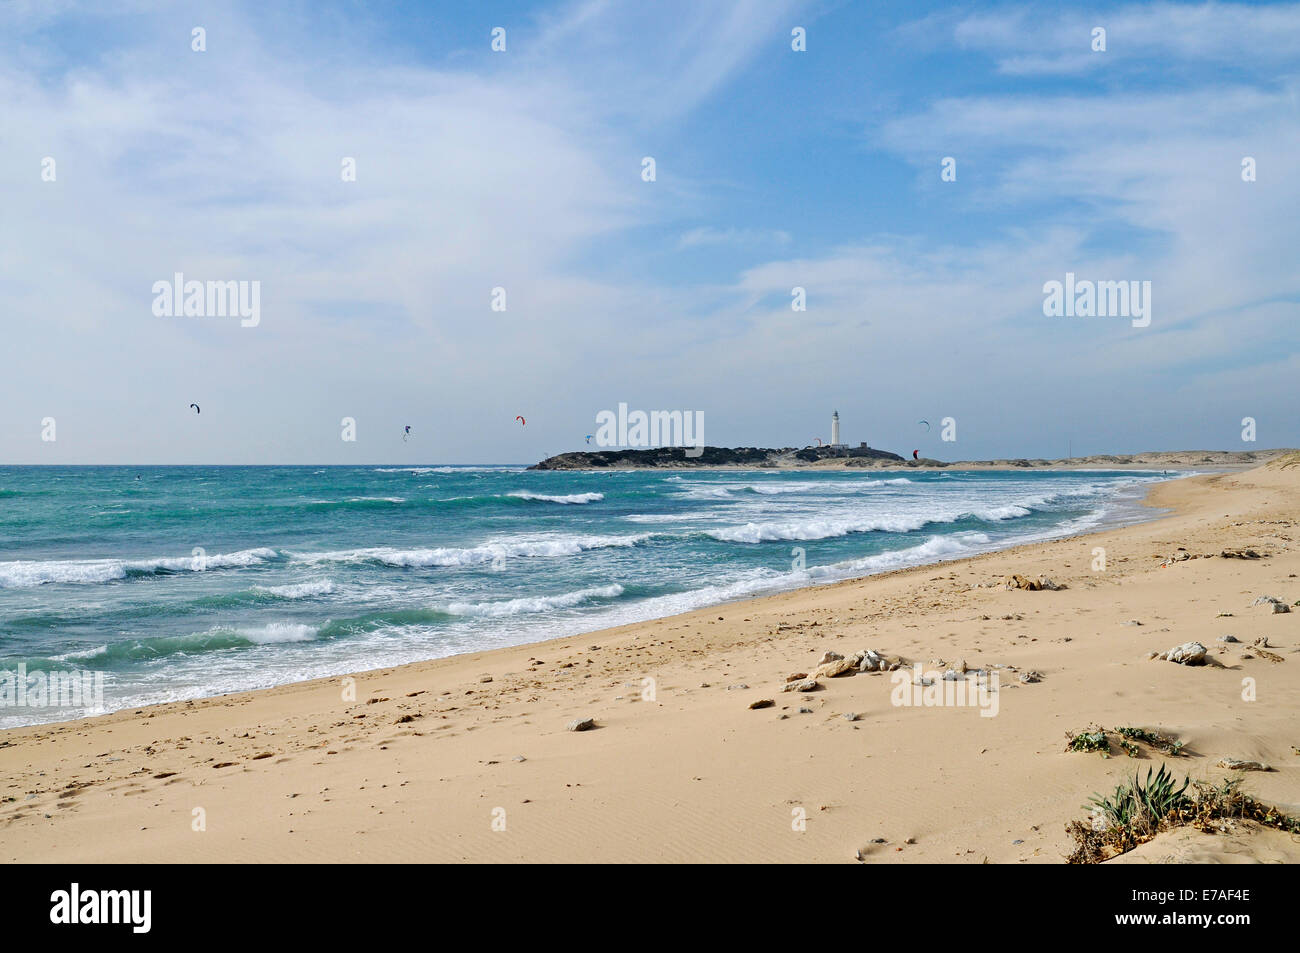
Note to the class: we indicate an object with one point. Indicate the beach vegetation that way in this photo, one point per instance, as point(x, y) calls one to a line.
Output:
point(1096, 738)
point(1092, 738)
point(1163, 743)
point(1140, 809)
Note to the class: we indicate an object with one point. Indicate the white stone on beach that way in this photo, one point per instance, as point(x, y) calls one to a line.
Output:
point(802, 685)
point(1276, 604)
point(1189, 653)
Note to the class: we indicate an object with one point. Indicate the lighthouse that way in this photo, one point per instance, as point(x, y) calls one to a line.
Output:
point(835, 429)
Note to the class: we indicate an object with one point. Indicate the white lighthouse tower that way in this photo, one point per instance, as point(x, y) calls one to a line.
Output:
point(835, 429)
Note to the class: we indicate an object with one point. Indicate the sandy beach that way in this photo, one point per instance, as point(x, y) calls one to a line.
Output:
point(468, 758)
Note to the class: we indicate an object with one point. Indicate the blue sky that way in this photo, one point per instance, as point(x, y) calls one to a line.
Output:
point(775, 169)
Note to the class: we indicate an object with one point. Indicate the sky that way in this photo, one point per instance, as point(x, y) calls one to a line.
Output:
point(523, 169)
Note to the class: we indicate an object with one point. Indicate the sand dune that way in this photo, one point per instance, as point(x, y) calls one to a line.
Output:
point(431, 760)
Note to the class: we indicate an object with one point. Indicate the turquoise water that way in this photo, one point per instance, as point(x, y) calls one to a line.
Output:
point(193, 581)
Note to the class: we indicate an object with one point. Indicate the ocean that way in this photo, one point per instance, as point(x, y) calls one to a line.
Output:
point(184, 582)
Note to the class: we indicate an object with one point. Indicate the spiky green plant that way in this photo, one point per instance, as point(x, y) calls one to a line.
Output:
point(1139, 810)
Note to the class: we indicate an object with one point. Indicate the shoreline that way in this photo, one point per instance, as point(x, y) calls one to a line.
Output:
point(454, 727)
point(1115, 519)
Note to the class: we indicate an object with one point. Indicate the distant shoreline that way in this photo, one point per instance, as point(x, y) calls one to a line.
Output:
point(823, 458)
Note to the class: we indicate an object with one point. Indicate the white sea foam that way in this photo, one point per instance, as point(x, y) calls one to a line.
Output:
point(1002, 512)
point(23, 574)
point(570, 498)
point(816, 528)
point(706, 493)
point(522, 606)
point(274, 632)
point(669, 517)
point(473, 555)
point(301, 590)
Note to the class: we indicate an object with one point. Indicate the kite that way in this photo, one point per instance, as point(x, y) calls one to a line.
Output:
point(407, 436)
point(196, 408)
point(915, 454)
point(819, 440)
point(927, 425)
point(522, 422)
point(589, 436)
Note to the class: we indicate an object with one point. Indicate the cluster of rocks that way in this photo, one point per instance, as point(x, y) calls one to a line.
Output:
point(959, 671)
point(1260, 647)
point(1182, 555)
point(833, 664)
point(1017, 581)
point(1277, 605)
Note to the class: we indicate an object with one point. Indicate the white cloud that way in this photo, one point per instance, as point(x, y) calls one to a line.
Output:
point(1034, 41)
point(708, 235)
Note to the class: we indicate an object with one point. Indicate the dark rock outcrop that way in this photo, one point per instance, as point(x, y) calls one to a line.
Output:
point(706, 457)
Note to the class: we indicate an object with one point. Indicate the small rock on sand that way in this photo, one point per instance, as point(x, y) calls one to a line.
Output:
point(803, 685)
point(1236, 764)
point(832, 669)
point(829, 657)
point(581, 724)
point(762, 703)
point(1189, 653)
